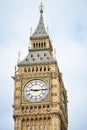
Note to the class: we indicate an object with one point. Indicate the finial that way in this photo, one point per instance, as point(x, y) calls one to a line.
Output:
point(30, 31)
point(41, 7)
point(54, 53)
point(15, 69)
point(47, 29)
point(18, 56)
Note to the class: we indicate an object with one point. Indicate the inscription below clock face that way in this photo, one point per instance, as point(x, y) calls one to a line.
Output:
point(35, 90)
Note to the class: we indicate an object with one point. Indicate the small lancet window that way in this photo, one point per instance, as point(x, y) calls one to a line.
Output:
point(23, 109)
point(35, 107)
point(44, 68)
point(48, 107)
point(31, 109)
point(39, 107)
point(27, 119)
point(26, 108)
point(41, 69)
point(34, 45)
point(39, 45)
point(29, 70)
point(25, 70)
point(32, 69)
point(44, 44)
point(36, 69)
point(23, 120)
point(48, 69)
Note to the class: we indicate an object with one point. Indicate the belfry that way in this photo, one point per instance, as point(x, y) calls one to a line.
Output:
point(40, 97)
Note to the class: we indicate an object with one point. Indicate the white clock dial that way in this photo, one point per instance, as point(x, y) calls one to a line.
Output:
point(35, 90)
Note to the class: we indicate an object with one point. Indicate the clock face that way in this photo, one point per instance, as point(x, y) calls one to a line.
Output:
point(35, 90)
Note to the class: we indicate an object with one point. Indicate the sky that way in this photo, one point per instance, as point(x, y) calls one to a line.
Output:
point(67, 26)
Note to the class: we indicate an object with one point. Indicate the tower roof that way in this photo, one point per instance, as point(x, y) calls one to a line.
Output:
point(38, 57)
point(40, 29)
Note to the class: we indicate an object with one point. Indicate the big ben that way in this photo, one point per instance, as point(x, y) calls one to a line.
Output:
point(40, 97)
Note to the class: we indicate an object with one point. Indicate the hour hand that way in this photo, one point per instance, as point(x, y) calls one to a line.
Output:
point(34, 90)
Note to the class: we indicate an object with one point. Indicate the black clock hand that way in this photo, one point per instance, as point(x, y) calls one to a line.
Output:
point(44, 89)
point(38, 89)
point(34, 90)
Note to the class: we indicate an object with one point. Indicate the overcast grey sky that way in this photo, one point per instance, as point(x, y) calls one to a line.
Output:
point(67, 22)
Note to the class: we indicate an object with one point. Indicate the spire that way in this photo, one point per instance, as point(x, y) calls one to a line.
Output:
point(40, 30)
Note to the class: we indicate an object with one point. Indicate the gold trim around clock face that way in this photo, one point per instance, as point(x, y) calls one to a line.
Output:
point(35, 90)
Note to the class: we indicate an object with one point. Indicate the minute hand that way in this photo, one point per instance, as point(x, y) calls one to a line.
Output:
point(38, 89)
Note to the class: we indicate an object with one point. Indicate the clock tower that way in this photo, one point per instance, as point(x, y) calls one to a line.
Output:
point(40, 98)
